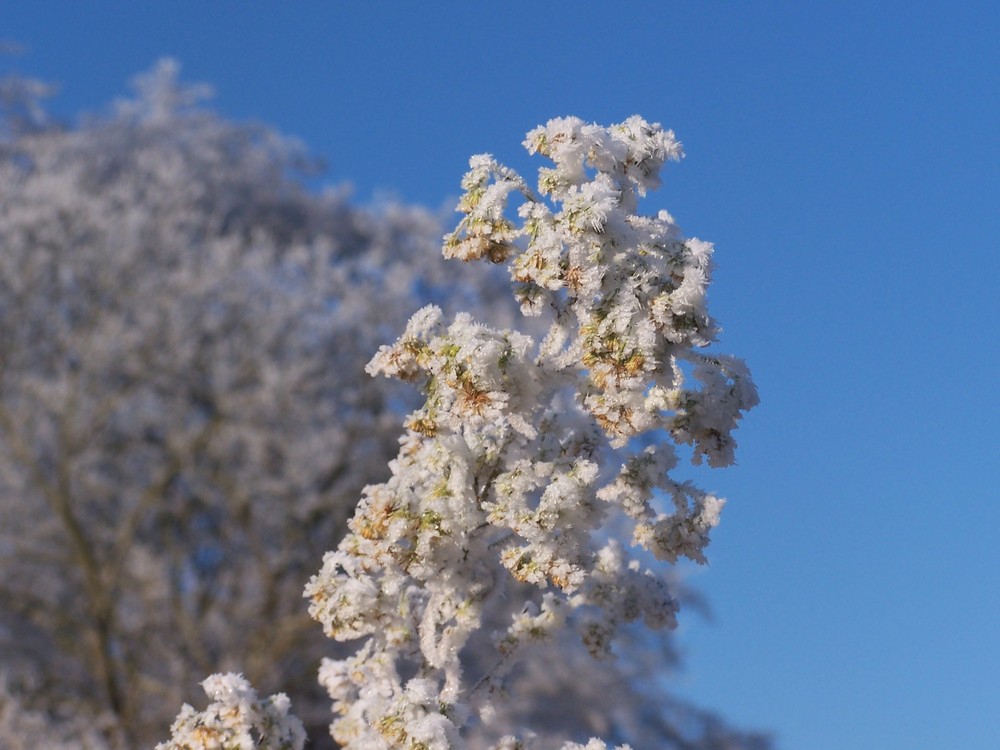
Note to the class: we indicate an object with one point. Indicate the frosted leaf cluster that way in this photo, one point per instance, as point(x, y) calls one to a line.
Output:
point(512, 477)
point(236, 719)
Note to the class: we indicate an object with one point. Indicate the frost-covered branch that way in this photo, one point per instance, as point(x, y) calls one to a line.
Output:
point(523, 451)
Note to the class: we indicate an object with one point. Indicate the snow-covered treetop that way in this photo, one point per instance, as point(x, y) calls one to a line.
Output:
point(185, 419)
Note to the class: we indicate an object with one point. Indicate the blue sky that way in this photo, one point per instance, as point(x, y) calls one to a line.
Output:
point(844, 159)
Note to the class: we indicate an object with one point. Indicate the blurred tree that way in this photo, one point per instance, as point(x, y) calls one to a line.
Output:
point(185, 422)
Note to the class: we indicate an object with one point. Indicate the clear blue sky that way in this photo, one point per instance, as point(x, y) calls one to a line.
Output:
point(844, 158)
